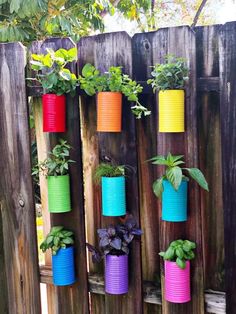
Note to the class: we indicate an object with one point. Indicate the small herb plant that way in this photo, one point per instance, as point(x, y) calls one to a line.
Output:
point(58, 238)
point(108, 170)
point(57, 164)
point(51, 72)
point(92, 82)
point(179, 251)
point(174, 174)
point(171, 75)
point(115, 240)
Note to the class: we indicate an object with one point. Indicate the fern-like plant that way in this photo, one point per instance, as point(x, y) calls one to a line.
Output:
point(174, 173)
point(108, 170)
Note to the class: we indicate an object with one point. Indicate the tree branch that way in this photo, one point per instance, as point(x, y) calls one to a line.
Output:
point(199, 11)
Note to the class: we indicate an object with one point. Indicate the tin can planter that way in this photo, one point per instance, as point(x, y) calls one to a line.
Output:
point(177, 283)
point(116, 274)
point(54, 113)
point(171, 111)
point(174, 203)
point(63, 267)
point(109, 111)
point(59, 194)
point(113, 196)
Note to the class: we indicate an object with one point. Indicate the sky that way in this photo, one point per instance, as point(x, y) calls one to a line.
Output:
point(222, 11)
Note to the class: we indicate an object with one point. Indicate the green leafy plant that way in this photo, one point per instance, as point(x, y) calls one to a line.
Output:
point(170, 75)
point(92, 81)
point(174, 174)
point(179, 251)
point(57, 164)
point(58, 238)
point(51, 72)
point(108, 170)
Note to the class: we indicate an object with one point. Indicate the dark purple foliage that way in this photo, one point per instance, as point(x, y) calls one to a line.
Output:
point(115, 240)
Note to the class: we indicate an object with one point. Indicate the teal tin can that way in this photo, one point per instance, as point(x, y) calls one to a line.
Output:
point(174, 203)
point(113, 196)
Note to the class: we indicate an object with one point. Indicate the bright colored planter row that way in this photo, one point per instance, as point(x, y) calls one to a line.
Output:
point(113, 196)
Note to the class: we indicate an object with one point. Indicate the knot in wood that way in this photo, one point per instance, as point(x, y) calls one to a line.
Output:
point(21, 202)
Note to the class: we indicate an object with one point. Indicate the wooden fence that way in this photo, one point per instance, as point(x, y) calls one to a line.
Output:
point(208, 144)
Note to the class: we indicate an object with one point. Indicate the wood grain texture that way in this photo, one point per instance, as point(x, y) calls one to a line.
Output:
point(228, 135)
point(72, 299)
point(114, 49)
point(208, 113)
point(147, 147)
point(16, 189)
point(167, 41)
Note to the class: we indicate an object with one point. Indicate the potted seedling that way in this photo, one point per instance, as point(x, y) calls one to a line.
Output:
point(112, 180)
point(56, 81)
point(114, 248)
point(172, 186)
point(169, 78)
point(177, 270)
point(109, 88)
point(56, 170)
point(60, 242)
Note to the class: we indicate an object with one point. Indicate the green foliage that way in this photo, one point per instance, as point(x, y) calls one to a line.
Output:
point(92, 81)
point(51, 72)
point(174, 174)
point(58, 238)
point(57, 164)
point(179, 251)
point(171, 75)
point(108, 170)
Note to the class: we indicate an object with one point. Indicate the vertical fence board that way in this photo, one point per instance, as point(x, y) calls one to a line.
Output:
point(147, 147)
point(228, 135)
point(16, 190)
point(89, 137)
point(115, 49)
point(208, 113)
point(72, 299)
point(167, 41)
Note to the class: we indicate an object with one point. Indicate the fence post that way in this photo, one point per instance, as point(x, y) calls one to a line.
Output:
point(228, 137)
point(16, 193)
point(103, 51)
point(72, 299)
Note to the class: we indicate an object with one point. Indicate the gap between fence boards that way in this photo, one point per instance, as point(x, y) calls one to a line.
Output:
point(215, 300)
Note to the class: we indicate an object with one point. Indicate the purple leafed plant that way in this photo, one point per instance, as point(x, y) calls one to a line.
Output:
point(115, 240)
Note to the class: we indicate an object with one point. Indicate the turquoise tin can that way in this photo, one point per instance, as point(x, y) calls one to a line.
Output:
point(174, 203)
point(113, 196)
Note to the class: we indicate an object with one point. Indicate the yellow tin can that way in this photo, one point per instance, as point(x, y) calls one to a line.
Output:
point(171, 111)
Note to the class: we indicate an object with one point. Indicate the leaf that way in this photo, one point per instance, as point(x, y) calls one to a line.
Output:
point(179, 252)
point(181, 263)
point(158, 187)
point(198, 176)
point(169, 254)
point(174, 175)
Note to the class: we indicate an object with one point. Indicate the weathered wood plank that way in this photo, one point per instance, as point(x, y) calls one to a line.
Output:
point(228, 135)
point(16, 190)
point(147, 147)
point(208, 113)
point(86, 54)
point(115, 49)
point(214, 300)
point(167, 41)
point(72, 299)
